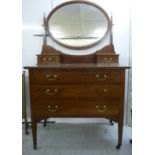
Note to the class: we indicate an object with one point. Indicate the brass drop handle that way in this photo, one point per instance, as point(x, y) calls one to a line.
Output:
point(110, 59)
point(105, 90)
point(44, 59)
point(52, 109)
point(48, 92)
point(51, 77)
point(104, 77)
point(103, 109)
point(49, 59)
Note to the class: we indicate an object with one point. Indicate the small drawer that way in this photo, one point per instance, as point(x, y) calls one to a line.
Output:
point(75, 77)
point(48, 59)
point(107, 59)
point(71, 109)
point(75, 91)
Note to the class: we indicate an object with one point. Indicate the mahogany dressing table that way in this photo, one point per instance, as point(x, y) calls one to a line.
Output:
point(63, 85)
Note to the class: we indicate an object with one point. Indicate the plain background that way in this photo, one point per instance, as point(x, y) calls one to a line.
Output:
point(143, 76)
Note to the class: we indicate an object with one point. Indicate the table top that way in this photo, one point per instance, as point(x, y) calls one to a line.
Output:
point(78, 66)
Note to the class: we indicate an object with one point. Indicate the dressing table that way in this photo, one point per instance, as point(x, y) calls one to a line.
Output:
point(77, 85)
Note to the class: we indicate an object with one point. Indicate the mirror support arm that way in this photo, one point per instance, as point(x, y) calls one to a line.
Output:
point(111, 31)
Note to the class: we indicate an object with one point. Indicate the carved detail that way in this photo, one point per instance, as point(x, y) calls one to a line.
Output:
point(109, 49)
point(49, 50)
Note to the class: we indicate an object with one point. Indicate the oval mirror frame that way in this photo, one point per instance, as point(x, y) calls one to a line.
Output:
point(47, 27)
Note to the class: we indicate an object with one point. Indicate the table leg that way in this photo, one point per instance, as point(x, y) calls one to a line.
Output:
point(120, 133)
point(34, 134)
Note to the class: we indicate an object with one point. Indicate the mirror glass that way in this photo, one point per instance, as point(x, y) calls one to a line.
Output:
point(78, 25)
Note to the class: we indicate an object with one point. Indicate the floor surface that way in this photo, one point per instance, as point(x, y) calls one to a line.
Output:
point(77, 139)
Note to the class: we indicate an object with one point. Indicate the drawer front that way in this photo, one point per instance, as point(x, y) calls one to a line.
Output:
point(58, 108)
point(75, 77)
point(107, 59)
point(72, 91)
point(48, 59)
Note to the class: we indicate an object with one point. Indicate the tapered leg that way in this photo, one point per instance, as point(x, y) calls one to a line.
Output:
point(120, 133)
point(34, 134)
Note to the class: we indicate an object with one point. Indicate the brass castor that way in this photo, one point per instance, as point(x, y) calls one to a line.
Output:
point(35, 146)
point(118, 146)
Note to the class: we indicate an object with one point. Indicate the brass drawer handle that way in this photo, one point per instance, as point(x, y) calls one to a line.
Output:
point(103, 109)
point(49, 59)
point(44, 59)
point(48, 92)
point(52, 109)
point(105, 90)
point(108, 60)
point(51, 77)
point(98, 76)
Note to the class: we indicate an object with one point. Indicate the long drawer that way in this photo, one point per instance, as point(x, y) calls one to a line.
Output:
point(75, 91)
point(92, 108)
point(75, 77)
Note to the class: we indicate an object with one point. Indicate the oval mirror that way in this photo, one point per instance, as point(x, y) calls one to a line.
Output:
point(78, 24)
